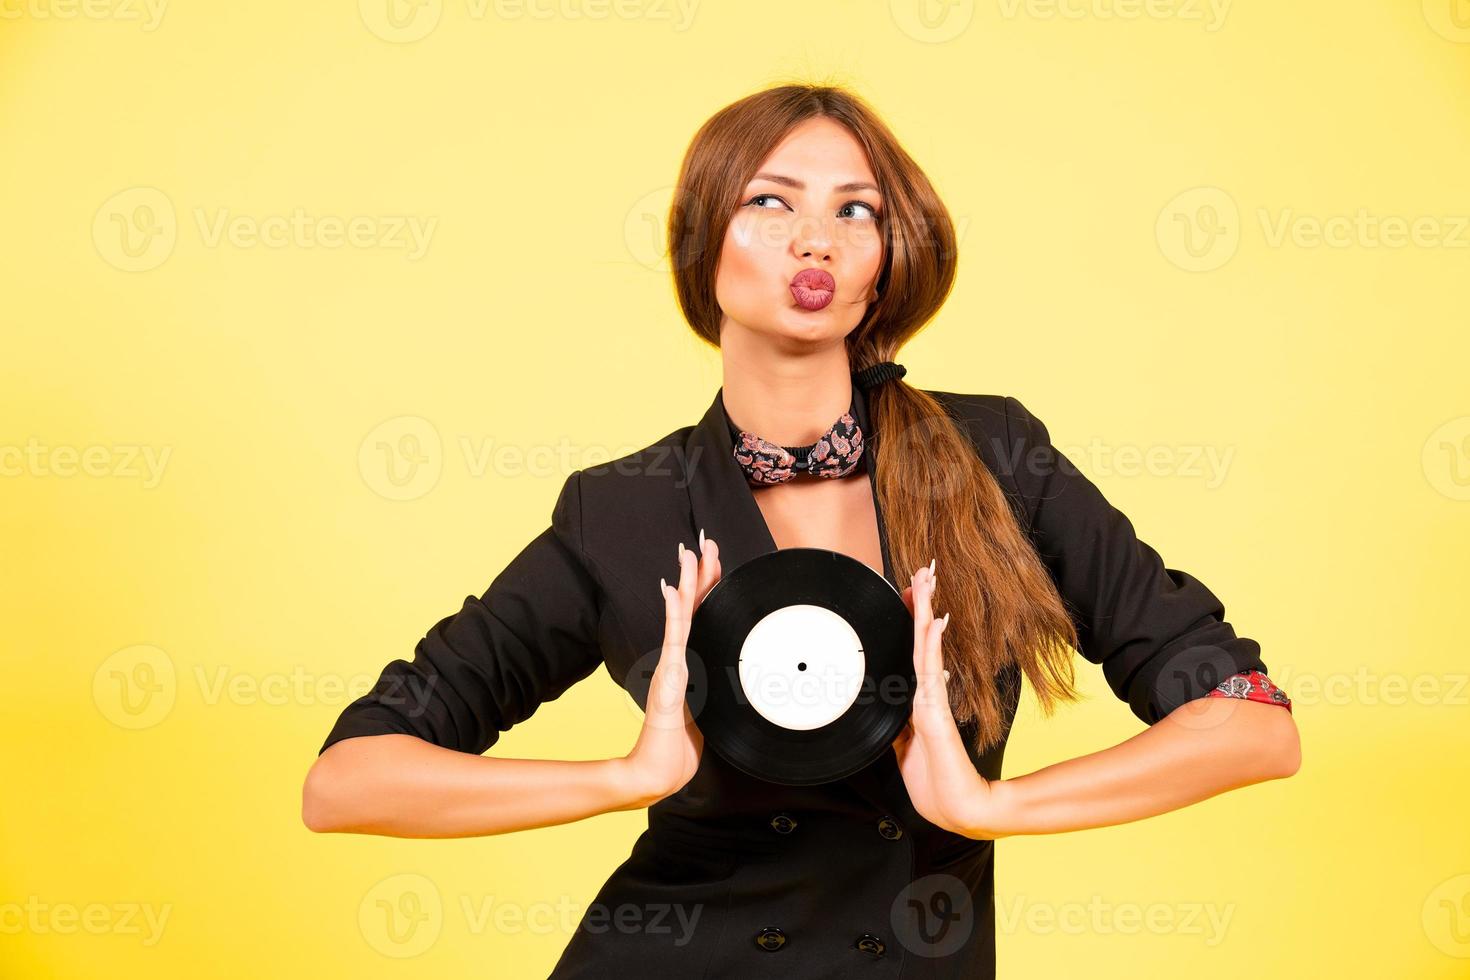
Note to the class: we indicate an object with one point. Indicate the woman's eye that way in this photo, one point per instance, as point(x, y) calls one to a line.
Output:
point(758, 197)
point(872, 211)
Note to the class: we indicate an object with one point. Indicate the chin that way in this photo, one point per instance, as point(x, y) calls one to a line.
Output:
point(808, 324)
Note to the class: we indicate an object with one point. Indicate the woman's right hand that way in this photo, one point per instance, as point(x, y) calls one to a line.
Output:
point(667, 752)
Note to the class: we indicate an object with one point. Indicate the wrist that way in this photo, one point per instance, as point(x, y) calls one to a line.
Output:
point(624, 788)
point(1001, 812)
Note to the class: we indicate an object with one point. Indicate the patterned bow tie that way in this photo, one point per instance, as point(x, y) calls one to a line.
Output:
point(834, 455)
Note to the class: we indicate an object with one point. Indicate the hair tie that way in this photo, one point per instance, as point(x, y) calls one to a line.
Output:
point(871, 377)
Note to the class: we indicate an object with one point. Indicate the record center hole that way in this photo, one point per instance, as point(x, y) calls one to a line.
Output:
point(801, 666)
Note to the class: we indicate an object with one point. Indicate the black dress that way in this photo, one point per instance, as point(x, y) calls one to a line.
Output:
point(735, 877)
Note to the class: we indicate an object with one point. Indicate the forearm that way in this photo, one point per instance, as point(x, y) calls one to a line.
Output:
point(1203, 748)
point(401, 786)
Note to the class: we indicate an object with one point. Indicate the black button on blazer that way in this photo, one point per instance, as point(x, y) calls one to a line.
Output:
point(739, 878)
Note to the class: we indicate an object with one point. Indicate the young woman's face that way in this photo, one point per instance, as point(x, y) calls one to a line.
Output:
point(813, 205)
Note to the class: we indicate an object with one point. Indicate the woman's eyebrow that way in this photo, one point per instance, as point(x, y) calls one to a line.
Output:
point(857, 185)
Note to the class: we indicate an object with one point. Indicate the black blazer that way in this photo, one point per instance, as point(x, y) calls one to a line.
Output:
point(736, 877)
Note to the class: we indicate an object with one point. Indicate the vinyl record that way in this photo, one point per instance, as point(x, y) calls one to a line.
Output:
point(809, 665)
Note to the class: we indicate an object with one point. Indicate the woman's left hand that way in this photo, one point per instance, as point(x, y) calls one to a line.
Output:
point(942, 782)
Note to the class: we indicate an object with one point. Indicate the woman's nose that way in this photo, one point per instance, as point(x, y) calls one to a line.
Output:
point(813, 236)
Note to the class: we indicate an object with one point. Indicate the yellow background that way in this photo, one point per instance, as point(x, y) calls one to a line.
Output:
point(1135, 189)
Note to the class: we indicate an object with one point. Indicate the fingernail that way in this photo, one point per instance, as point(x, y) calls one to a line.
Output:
point(946, 675)
point(945, 623)
point(681, 551)
point(701, 541)
point(932, 562)
point(663, 588)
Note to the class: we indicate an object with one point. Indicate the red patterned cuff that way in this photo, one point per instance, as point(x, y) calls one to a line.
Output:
point(1252, 685)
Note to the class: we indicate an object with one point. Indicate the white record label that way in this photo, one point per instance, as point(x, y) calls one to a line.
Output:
point(802, 666)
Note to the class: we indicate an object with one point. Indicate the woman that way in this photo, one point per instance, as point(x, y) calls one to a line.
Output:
point(834, 250)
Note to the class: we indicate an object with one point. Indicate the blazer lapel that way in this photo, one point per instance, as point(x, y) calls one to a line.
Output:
point(871, 441)
point(721, 500)
point(719, 497)
point(722, 503)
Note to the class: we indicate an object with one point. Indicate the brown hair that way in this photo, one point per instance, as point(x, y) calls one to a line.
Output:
point(1006, 613)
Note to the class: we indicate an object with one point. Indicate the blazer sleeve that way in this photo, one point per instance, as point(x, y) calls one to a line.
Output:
point(1159, 634)
point(477, 672)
